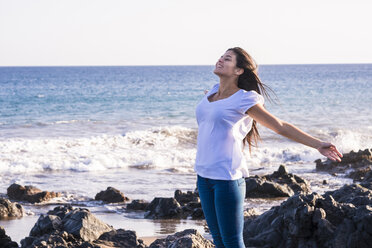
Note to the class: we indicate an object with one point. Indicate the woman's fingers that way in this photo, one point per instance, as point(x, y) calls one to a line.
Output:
point(333, 148)
point(331, 152)
point(337, 156)
point(334, 157)
point(337, 152)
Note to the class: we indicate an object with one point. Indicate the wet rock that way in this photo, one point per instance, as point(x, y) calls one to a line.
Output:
point(197, 214)
point(356, 194)
point(188, 238)
point(250, 214)
point(120, 238)
point(163, 208)
point(360, 173)
point(340, 218)
point(29, 194)
point(71, 225)
point(46, 224)
point(170, 208)
point(193, 209)
point(61, 211)
point(56, 238)
point(184, 198)
point(138, 205)
point(359, 162)
point(279, 184)
point(84, 225)
point(10, 209)
point(5, 240)
point(190, 202)
point(367, 177)
point(111, 195)
point(76, 227)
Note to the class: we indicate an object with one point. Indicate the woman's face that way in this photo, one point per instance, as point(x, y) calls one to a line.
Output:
point(226, 65)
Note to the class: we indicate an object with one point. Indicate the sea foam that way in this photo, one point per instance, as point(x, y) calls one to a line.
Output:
point(170, 147)
point(166, 147)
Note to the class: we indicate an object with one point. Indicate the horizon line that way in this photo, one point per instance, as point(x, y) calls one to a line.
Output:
point(352, 63)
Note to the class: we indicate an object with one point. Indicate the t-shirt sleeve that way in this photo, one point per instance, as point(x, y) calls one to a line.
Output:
point(249, 99)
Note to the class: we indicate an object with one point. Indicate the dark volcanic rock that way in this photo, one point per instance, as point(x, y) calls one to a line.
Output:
point(75, 227)
point(188, 238)
point(120, 238)
point(138, 205)
point(75, 224)
point(340, 218)
point(111, 195)
point(360, 173)
point(58, 239)
point(279, 184)
point(367, 178)
point(112, 239)
point(359, 162)
point(184, 198)
point(61, 211)
point(163, 208)
point(250, 214)
point(53, 239)
point(197, 213)
point(29, 193)
point(5, 240)
point(190, 202)
point(171, 208)
point(84, 225)
point(193, 209)
point(10, 209)
point(46, 224)
point(357, 194)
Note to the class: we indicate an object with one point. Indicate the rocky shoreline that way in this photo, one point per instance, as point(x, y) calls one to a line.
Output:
point(355, 165)
point(338, 218)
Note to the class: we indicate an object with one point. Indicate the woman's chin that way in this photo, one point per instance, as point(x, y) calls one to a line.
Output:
point(217, 72)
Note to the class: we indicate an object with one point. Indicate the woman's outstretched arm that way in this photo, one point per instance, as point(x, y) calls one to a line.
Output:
point(265, 118)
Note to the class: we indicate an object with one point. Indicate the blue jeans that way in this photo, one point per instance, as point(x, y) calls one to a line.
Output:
point(222, 202)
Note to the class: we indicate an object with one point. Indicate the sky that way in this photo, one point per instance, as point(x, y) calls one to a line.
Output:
point(183, 32)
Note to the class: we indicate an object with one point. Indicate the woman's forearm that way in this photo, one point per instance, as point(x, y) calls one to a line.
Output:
point(265, 118)
point(292, 132)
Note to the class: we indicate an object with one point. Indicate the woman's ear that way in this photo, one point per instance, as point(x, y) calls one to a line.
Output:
point(239, 71)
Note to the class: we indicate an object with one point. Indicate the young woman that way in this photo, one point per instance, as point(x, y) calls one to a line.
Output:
point(227, 117)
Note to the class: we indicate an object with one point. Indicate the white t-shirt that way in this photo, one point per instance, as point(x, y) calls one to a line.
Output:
point(223, 125)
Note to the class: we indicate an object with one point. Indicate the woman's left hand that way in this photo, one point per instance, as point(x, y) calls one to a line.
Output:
point(330, 151)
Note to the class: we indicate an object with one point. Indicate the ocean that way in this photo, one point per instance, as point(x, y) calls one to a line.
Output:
point(78, 130)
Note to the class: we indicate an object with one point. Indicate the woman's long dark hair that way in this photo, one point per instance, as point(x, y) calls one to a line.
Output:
point(249, 80)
